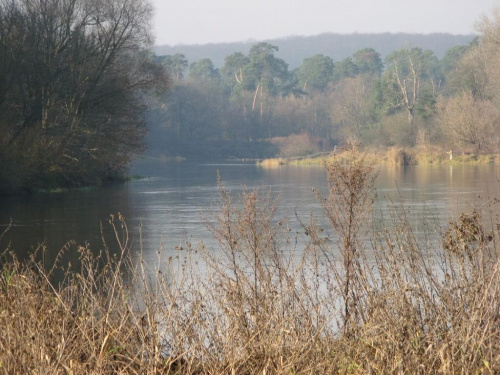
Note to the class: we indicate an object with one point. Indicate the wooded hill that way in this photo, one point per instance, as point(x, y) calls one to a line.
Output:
point(295, 49)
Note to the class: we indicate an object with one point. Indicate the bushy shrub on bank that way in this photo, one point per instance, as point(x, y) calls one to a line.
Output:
point(265, 301)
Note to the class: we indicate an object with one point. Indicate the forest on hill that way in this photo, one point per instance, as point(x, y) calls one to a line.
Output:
point(295, 49)
point(256, 106)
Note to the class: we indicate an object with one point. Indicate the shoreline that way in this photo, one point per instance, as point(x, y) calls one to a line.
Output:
point(393, 156)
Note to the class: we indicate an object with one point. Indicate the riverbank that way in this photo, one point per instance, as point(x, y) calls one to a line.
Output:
point(391, 156)
point(258, 302)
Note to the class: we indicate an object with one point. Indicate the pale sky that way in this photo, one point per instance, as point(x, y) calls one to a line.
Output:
point(215, 21)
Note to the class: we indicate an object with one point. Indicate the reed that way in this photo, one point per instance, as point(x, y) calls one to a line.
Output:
point(421, 155)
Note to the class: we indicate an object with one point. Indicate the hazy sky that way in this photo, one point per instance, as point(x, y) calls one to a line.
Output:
point(212, 21)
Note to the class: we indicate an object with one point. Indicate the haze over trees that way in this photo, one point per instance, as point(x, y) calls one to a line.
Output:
point(295, 49)
point(256, 106)
point(73, 75)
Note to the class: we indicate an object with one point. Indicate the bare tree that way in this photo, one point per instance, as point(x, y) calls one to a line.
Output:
point(407, 72)
point(74, 71)
point(469, 122)
point(350, 100)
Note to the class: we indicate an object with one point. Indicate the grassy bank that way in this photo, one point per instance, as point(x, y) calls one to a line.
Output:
point(392, 156)
point(262, 304)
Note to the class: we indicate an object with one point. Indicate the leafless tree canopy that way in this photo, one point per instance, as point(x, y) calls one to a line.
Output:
point(71, 76)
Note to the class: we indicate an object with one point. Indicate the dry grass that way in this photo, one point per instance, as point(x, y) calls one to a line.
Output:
point(421, 155)
point(272, 163)
point(357, 302)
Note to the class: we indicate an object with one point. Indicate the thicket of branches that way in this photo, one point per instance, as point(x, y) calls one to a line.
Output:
point(72, 77)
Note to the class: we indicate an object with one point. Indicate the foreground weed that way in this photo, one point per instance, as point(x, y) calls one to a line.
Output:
point(264, 301)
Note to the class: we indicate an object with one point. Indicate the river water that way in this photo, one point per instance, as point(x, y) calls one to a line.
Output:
point(173, 203)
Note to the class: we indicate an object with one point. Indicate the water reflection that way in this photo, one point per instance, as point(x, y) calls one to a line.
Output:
point(54, 219)
point(171, 203)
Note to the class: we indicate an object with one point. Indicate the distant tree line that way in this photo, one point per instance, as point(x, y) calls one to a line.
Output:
point(254, 106)
point(294, 49)
point(73, 81)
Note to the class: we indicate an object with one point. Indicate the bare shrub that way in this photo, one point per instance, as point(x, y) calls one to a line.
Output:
point(297, 145)
point(431, 310)
point(469, 121)
point(270, 318)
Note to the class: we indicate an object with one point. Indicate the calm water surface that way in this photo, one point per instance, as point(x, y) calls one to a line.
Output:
point(170, 204)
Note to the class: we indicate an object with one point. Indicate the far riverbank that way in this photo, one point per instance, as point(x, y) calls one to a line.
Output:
point(393, 156)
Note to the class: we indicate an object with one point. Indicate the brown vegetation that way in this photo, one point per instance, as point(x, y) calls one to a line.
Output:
point(403, 156)
point(297, 145)
point(266, 301)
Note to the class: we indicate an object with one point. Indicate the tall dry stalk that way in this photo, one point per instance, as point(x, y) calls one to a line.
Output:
point(348, 207)
point(265, 292)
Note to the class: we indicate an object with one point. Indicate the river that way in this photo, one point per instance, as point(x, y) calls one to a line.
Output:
point(172, 204)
